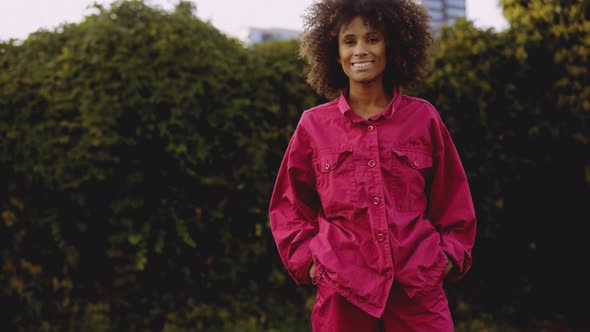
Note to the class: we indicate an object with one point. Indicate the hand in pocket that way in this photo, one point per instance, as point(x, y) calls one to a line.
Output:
point(449, 266)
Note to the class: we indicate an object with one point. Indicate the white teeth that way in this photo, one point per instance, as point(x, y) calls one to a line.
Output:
point(362, 64)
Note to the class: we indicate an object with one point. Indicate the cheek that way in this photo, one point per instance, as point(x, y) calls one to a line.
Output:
point(382, 51)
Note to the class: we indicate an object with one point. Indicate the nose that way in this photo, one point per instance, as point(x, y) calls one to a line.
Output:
point(360, 49)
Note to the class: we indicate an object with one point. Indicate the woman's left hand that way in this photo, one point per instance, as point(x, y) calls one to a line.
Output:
point(449, 266)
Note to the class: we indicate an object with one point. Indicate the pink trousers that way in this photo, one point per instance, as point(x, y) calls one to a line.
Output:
point(332, 313)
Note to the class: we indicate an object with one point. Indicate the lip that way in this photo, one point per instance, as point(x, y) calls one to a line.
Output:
point(368, 64)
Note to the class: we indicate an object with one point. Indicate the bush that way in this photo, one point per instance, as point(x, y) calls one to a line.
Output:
point(139, 148)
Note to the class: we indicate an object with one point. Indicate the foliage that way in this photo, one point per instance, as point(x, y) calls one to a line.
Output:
point(114, 133)
point(138, 152)
point(518, 113)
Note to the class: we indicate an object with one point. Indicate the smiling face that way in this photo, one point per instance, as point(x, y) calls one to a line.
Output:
point(361, 50)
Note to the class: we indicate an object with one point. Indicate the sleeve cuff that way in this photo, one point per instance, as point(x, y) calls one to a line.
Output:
point(300, 271)
point(461, 258)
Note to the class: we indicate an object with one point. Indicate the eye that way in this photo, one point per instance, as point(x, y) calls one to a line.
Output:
point(373, 40)
point(348, 42)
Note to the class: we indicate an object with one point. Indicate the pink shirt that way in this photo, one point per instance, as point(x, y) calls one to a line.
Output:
point(373, 201)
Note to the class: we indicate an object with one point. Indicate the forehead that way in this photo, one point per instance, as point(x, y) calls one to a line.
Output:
point(357, 25)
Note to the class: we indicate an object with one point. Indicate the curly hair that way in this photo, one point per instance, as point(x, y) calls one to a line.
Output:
point(407, 33)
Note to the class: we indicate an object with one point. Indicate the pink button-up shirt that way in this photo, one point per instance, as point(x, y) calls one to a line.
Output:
point(373, 201)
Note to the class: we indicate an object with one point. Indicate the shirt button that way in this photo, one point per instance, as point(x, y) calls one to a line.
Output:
point(372, 163)
point(376, 200)
point(327, 166)
point(370, 127)
point(416, 163)
point(381, 237)
point(389, 275)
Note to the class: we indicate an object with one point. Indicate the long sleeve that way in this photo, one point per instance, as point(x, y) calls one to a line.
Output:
point(293, 207)
point(450, 207)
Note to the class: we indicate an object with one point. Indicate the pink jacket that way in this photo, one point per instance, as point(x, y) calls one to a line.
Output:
point(373, 201)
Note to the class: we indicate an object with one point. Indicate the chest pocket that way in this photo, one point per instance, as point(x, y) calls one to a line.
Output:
point(336, 184)
point(411, 169)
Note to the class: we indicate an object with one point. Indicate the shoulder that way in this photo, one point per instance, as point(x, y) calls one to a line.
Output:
point(320, 112)
point(421, 107)
point(313, 118)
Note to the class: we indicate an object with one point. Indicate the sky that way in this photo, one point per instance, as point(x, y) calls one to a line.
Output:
point(19, 18)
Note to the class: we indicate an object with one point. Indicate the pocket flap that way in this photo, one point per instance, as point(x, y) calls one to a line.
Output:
point(328, 160)
point(414, 158)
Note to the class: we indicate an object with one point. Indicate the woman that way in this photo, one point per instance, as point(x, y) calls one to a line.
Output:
point(371, 202)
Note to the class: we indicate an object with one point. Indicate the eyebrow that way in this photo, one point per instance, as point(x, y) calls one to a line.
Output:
point(348, 35)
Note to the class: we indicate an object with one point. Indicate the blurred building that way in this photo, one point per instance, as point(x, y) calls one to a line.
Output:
point(253, 35)
point(444, 12)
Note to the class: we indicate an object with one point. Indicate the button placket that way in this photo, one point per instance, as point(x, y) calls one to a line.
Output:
point(376, 200)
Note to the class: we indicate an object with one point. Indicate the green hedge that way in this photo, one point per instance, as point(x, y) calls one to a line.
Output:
point(138, 152)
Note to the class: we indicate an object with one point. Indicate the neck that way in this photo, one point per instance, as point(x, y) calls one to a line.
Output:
point(368, 100)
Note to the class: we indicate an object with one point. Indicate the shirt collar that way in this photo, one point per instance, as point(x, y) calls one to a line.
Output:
point(345, 109)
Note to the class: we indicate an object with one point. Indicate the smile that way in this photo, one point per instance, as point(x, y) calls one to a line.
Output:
point(362, 64)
